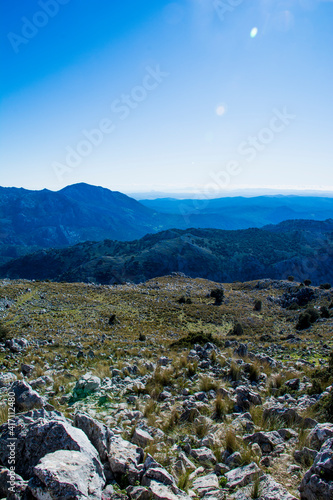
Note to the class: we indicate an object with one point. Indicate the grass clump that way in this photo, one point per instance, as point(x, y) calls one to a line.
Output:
point(222, 406)
point(184, 482)
point(255, 490)
point(207, 383)
point(235, 371)
point(254, 371)
point(231, 444)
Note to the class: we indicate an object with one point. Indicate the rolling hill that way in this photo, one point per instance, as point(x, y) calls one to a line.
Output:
point(303, 249)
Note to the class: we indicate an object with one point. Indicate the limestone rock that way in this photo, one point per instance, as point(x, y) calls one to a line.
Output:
point(317, 484)
point(124, 458)
point(320, 434)
point(247, 397)
point(87, 384)
point(142, 438)
point(66, 474)
point(204, 455)
point(97, 433)
point(38, 433)
point(205, 484)
point(266, 440)
point(268, 490)
point(243, 475)
point(25, 397)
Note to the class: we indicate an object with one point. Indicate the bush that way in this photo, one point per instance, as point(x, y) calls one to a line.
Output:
point(195, 338)
point(307, 282)
point(3, 332)
point(257, 305)
point(291, 278)
point(307, 318)
point(324, 408)
point(324, 312)
point(183, 300)
point(237, 330)
point(218, 295)
point(325, 286)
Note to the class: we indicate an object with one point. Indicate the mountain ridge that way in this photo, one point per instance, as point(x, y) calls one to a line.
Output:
point(219, 255)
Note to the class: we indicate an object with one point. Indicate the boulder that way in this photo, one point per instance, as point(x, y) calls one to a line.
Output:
point(38, 433)
point(305, 455)
point(266, 440)
point(246, 397)
point(25, 397)
point(269, 489)
point(124, 459)
point(161, 491)
point(320, 434)
point(204, 455)
point(287, 415)
point(242, 476)
point(87, 384)
point(317, 484)
point(138, 493)
point(206, 484)
point(66, 474)
point(26, 369)
point(142, 438)
point(293, 384)
point(12, 486)
point(97, 433)
point(158, 474)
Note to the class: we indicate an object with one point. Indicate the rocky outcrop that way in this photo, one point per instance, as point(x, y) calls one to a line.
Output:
point(38, 433)
point(317, 484)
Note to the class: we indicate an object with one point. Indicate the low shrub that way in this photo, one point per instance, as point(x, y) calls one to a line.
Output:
point(257, 305)
point(4, 332)
point(195, 338)
point(307, 318)
point(218, 295)
point(325, 286)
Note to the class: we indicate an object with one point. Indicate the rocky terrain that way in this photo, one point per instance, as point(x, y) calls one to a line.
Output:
point(173, 388)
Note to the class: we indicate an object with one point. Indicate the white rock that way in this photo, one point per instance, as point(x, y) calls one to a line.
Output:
point(243, 475)
point(67, 474)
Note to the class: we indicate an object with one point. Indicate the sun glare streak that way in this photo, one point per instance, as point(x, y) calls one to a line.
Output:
point(254, 32)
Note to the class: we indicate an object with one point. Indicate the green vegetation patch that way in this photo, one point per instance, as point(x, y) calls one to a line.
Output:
point(193, 338)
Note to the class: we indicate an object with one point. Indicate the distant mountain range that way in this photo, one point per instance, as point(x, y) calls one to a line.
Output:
point(302, 248)
point(30, 220)
point(33, 220)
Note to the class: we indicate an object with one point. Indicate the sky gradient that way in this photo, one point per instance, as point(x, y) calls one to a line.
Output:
point(194, 96)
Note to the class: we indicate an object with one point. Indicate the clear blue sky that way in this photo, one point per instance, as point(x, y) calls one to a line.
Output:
point(191, 95)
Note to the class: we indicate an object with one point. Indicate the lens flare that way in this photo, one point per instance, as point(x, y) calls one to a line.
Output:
point(220, 110)
point(254, 32)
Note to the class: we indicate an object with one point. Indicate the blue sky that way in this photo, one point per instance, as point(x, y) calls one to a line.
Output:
point(200, 96)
